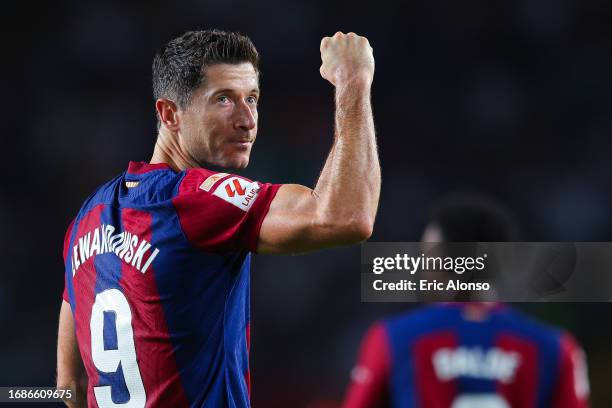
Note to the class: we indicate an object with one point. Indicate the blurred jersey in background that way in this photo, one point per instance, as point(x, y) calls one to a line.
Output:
point(472, 354)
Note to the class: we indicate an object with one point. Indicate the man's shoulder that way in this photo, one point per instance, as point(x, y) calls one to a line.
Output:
point(531, 326)
point(208, 181)
point(201, 179)
point(103, 194)
point(425, 314)
point(416, 322)
point(233, 189)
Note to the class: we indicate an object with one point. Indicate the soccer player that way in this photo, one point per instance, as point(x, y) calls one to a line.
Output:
point(156, 299)
point(468, 355)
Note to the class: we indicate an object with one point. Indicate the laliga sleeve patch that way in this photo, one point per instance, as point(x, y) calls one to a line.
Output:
point(239, 192)
point(211, 180)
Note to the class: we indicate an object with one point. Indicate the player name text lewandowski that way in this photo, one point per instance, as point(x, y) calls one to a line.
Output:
point(130, 248)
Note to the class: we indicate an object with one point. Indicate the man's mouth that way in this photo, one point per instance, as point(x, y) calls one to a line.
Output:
point(242, 142)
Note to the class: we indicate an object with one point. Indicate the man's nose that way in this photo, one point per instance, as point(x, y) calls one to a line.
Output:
point(245, 117)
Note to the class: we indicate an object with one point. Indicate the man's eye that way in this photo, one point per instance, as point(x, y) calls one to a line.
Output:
point(252, 100)
point(223, 99)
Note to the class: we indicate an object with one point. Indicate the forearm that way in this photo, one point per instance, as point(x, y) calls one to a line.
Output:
point(352, 171)
point(71, 374)
point(78, 387)
point(342, 207)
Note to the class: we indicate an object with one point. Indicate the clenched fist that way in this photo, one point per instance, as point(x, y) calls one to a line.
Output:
point(346, 57)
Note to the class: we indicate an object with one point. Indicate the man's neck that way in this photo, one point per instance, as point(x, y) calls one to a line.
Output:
point(168, 150)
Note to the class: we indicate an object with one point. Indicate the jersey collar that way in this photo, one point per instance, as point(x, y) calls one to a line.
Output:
point(143, 167)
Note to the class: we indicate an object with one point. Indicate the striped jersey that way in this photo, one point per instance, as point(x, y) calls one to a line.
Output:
point(467, 356)
point(157, 276)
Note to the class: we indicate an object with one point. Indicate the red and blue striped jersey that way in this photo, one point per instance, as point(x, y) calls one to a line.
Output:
point(467, 356)
point(157, 276)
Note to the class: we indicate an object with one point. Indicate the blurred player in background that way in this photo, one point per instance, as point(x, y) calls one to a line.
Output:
point(156, 300)
point(468, 355)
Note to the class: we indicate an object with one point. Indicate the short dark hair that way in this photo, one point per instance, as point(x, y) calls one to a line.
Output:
point(466, 217)
point(178, 66)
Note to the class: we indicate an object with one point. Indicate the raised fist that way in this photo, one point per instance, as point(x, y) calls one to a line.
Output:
point(346, 57)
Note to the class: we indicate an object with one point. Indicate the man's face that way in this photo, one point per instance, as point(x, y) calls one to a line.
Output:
point(219, 125)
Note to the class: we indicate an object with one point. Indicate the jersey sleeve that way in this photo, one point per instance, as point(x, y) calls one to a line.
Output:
point(572, 386)
point(369, 384)
point(221, 212)
point(65, 255)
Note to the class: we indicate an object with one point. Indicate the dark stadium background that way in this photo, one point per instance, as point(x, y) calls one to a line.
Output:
point(511, 99)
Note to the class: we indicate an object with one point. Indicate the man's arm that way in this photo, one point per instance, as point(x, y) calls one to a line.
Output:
point(369, 385)
point(572, 386)
point(342, 207)
point(70, 370)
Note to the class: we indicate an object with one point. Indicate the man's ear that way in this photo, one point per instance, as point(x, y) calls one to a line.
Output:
point(167, 114)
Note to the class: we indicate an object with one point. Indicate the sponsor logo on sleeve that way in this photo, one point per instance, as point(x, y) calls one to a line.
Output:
point(238, 191)
point(211, 180)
